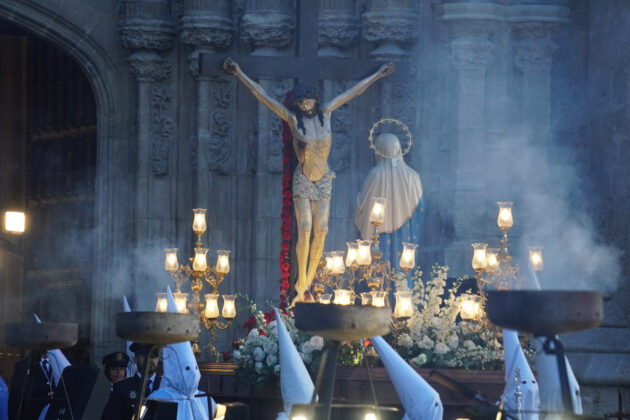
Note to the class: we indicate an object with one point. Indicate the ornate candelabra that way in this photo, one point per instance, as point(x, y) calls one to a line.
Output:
point(495, 270)
point(197, 273)
point(363, 261)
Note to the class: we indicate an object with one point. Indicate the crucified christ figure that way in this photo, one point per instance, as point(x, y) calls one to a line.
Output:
point(312, 180)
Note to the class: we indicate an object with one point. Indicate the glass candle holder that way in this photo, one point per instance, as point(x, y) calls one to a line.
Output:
point(377, 215)
point(180, 302)
point(343, 297)
point(328, 257)
point(170, 261)
point(200, 263)
point(162, 303)
point(378, 298)
point(223, 261)
point(470, 307)
point(14, 222)
point(364, 257)
point(324, 298)
point(504, 219)
point(480, 258)
point(351, 255)
point(536, 257)
point(408, 256)
point(199, 221)
point(229, 306)
point(212, 306)
point(338, 266)
point(366, 299)
point(492, 256)
point(404, 305)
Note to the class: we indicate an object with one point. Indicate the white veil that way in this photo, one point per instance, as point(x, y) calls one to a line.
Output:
point(393, 180)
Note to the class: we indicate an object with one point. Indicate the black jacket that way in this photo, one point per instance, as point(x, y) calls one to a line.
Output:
point(37, 389)
point(123, 399)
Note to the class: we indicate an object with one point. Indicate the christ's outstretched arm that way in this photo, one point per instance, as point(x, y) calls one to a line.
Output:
point(276, 107)
point(359, 88)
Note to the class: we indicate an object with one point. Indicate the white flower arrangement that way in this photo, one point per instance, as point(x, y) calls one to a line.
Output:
point(435, 336)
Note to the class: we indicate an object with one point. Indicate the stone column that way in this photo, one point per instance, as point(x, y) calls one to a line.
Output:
point(268, 26)
point(338, 27)
point(470, 52)
point(146, 29)
point(393, 25)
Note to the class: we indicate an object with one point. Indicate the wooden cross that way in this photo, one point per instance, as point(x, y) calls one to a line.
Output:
point(305, 65)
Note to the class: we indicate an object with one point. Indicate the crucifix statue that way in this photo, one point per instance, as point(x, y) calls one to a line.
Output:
point(309, 122)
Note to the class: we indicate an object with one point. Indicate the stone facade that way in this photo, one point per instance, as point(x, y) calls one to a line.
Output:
point(508, 100)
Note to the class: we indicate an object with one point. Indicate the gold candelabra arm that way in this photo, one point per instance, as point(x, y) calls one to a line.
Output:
point(180, 276)
point(213, 278)
point(212, 325)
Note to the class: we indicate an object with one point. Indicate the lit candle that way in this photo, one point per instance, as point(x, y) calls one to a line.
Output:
point(366, 298)
point(378, 298)
point(492, 255)
point(504, 220)
point(408, 256)
point(377, 216)
point(470, 307)
point(480, 258)
point(212, 306)
point(351, 256)
point(404, 305)
point(223, 261)
point(364, 257)
point(342, 297)
point(536, 257)
point(170, 262)
point(162, 303)
point(199, 221)
point(338, 267)
point(14, 222)
point(200, 263)
point(328, 257)
point(229, 307)
point(325, 298)
point(180, 302)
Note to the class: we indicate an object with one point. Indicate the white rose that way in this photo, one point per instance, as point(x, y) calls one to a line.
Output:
point(307, 347)
point(276, 369)
point(426, 343)
point(258, 354)
point(272, 360)
point(273, 327)
point(405, 341)
point(419, 360)
point(453, 342)
point(253, 333)
point(317, 342)
point(258, 367)
point(469, 344)
point(441, 348)
point(270, 347)
point(236, 355)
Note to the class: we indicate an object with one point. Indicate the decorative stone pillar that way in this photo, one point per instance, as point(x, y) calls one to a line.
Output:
point(392, 24)
point(145, 27)
point(206, 26)
point(470, 52)
point(268, 25)
point(338, 27)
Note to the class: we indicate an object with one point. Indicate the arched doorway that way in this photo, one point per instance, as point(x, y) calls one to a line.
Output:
point(113, 156)
point(49, 170)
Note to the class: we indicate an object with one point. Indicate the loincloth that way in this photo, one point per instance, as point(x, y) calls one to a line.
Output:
point(305, 188)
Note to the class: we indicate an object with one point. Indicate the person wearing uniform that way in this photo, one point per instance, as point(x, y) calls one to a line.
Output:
point(123, 399)
point(115, 366)
point(31, 388)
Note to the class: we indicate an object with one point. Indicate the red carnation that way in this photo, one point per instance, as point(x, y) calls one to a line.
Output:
point(285, 266)
point(249, 324)
point(226, 356)
point(286, 236)
point(285, 246)
point(366, 342)
point(286, 202)
point(235, 343)
point(261, 332)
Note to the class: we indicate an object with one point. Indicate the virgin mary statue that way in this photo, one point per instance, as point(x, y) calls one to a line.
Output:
point(400, 185)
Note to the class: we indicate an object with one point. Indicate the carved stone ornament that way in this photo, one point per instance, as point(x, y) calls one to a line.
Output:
point(218, 152)
point(274, 143)
point(340, 154)
point(162, 126)
point(338, 27)
point(267, 30)
point(533, 45)
point(146, 33)
point(392, 27)
point(206, 30)
point(471, 53)
point(148, 66)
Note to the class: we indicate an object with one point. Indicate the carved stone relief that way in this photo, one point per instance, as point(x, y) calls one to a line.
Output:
point(274, 143)
point(162, 127)
point(218, 152)
point(393, 24)
point(338, 27)
point(267, 26)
